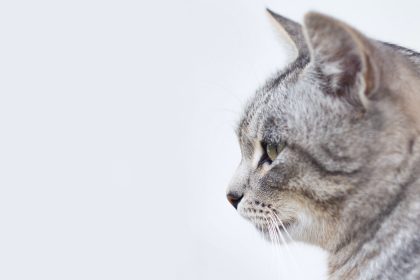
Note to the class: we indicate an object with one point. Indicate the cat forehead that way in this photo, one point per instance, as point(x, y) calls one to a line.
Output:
point(278, 99)
point(296, 104)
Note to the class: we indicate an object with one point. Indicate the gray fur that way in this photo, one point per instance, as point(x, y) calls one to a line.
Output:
point(348, 179)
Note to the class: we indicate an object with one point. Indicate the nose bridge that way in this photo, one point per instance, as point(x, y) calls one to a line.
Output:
point(238, 182)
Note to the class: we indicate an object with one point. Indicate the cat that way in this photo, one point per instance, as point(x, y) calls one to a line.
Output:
point(331, 152)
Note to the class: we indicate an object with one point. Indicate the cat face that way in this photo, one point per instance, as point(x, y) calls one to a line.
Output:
point(317, 132)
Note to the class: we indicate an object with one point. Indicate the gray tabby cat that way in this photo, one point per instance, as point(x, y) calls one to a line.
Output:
point(330, 147)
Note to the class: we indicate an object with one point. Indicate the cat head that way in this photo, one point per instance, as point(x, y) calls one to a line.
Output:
point(319, 133)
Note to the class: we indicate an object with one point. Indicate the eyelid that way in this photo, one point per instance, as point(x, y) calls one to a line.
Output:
point(265, 157)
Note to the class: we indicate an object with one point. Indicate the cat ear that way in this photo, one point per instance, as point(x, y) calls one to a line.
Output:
point(293, 32)
point(343, 56)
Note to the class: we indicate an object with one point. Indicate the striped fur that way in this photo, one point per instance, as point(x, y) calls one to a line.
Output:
point(348, 109)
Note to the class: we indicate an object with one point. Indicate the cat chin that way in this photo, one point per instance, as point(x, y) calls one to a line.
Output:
point(274, 240)
point(279, 235)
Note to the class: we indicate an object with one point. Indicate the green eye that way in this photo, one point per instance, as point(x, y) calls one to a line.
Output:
point(273, 150)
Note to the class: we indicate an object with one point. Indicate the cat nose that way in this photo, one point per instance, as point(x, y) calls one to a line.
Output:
point(234, 199)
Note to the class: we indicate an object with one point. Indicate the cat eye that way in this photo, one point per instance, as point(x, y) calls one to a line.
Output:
point(272, 151)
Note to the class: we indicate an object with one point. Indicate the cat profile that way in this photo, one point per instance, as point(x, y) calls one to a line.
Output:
point(331, 152)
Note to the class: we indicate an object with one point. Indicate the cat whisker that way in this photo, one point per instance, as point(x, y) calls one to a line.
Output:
point(277, 230)
point(283, 227)
point(295, 266)
point(275, 249)
point(270, 231)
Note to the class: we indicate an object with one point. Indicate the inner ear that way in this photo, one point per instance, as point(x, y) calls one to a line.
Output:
point(343, 57)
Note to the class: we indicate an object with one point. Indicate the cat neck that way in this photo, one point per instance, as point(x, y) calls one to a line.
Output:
point(362, 253)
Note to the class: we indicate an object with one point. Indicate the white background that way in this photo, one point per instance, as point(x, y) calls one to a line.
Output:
point(117, 142)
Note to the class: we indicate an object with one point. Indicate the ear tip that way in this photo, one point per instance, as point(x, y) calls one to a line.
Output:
point(313, 17)
point(271, 13)
point(314, 14)
point(279, 18)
